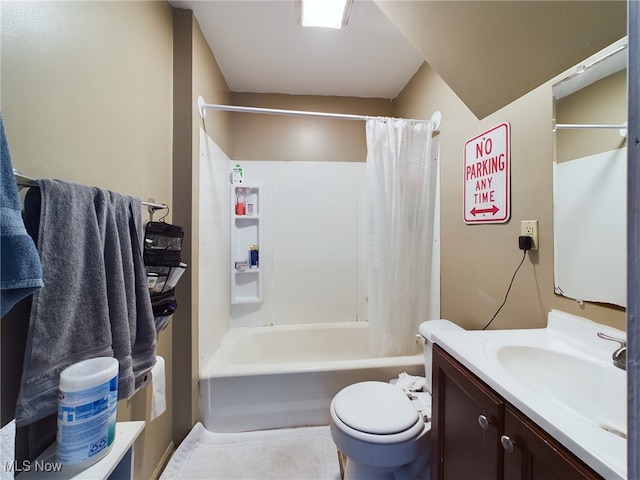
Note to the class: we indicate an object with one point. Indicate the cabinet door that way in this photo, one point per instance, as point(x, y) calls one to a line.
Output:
point(468, 420)
point(530, 453)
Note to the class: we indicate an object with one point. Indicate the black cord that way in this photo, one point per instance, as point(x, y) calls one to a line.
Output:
point(508, 290)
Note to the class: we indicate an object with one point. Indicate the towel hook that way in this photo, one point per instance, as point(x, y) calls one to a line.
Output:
point(165, 215)
point(152, 207)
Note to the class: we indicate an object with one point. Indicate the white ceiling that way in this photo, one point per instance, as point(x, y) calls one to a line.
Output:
point(261, 48)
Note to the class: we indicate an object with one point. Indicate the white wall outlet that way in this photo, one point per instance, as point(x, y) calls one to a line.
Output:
point(529, 228)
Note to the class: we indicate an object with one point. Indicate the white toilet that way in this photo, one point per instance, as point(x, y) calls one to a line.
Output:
point(383, 433)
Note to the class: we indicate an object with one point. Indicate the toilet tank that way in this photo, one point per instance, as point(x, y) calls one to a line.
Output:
point(427, 329)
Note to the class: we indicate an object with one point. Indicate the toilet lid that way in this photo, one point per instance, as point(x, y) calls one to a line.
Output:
point(375, 407)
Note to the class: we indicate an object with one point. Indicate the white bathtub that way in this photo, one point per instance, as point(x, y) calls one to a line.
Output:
point(285, 376)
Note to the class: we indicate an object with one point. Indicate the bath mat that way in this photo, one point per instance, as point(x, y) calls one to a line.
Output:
point(288, 454)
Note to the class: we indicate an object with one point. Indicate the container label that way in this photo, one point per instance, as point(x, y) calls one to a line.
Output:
point(86, 422)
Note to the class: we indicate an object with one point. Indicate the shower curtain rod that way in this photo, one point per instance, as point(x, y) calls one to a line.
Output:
point(202, 108)
point(577, 125)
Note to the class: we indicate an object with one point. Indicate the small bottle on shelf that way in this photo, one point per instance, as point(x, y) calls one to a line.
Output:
point(241, 264)
point(240, 203)
point(237, 174)
point(254, 261)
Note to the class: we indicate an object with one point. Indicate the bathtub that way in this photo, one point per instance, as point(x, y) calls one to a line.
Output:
point(285, 376)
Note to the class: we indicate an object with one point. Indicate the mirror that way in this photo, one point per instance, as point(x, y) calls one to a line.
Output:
point(589, 179)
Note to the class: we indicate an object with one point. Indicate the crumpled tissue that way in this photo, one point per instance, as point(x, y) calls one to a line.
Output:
point(410, 383)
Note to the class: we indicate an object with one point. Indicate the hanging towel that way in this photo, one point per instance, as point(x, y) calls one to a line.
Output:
point(20, 269)
point(126, 240)
point(91, 305)
point(69, 318)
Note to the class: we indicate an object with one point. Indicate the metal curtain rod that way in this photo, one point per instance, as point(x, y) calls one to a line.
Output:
point(152, 206)
point(202, 108)
point(576, 125)
point(27, 182)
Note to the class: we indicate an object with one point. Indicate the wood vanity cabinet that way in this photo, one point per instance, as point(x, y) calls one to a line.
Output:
point(476, 434)
point(467, 421)
point(535, 454)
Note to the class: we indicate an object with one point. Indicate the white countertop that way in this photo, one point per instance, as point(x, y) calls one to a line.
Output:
point(569, 422)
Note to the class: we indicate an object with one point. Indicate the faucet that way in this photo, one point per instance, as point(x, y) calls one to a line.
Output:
point(620, 355)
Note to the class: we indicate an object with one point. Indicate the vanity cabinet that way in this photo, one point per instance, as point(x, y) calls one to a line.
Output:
point(468, 419)
point(530, 453)
point(477, 434)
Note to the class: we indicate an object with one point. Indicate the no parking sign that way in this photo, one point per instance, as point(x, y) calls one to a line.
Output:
point(487, 162)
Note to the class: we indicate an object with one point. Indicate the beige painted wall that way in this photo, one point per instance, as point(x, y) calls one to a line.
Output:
point(86, 96)
point(493, 52)
point(118, 111)
point(603, 102)
point(84, 104)
point(196, 73)
point(478, 261)
point(287, 138)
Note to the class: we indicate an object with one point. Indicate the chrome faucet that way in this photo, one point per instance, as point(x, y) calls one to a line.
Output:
point(620, 355)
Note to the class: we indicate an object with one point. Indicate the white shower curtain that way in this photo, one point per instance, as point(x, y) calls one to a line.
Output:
point(401, 184)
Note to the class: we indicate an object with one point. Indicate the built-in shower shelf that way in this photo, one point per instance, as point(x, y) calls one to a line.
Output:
point(245, 236)
point(240, 300)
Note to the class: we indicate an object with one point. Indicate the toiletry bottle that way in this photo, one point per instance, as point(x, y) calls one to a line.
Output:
point(237, 174)
point(240, 202)
point(254, 261)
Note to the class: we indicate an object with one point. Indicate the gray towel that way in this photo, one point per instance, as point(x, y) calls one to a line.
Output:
point(119, 282)
point(92, 304)
point(144, 345)
point(20, 271)
point(125, 241)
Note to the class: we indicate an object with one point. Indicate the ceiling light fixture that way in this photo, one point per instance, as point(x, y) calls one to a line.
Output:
point(324, 13)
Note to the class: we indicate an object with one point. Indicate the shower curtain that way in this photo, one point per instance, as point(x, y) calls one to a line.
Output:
point(401, 176)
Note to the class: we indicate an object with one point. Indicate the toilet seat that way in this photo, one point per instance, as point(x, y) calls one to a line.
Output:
point(376, 412)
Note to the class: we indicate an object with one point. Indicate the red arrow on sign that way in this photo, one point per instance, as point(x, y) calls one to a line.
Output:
point(493, 210)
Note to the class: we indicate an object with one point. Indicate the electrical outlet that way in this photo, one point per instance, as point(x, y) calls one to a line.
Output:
point(529, 228)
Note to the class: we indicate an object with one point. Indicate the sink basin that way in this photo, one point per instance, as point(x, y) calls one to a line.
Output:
point(574, 381)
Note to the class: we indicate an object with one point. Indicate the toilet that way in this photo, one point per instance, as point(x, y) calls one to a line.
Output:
point(383, 433)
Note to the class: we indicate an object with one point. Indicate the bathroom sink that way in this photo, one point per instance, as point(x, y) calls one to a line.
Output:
point(582, 385)
point(561, 377)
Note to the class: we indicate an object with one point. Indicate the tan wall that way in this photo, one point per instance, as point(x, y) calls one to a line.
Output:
point(118, 111)
point(196, 73)
point(464, 41)
point(86, 97)
point(478, 261)
point(603, 102)
point(85, 104)
point(293, 138)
